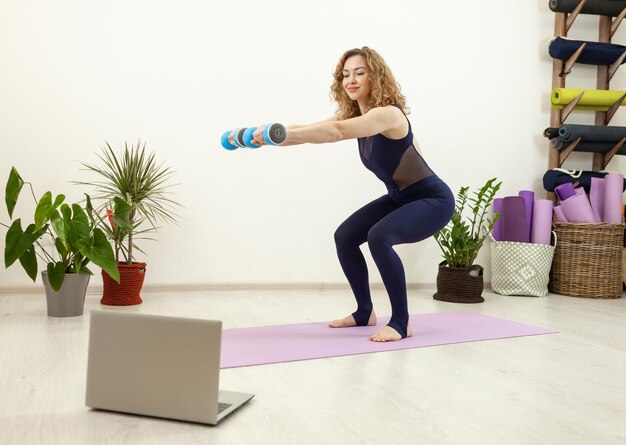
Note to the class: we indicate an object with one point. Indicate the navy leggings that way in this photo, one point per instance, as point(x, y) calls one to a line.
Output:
point(383, 223)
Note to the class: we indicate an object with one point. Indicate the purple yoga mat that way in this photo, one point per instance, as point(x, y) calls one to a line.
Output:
point(577, 209)
point(564, 191)
point(542, 222)
point(613, 198)
point(284, 343)
point(529, 200)
point(559, 215)
point(596, 197)
point(514, 220)
point(497, 227)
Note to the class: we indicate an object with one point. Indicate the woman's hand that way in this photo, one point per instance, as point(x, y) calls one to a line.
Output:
point(257, 136)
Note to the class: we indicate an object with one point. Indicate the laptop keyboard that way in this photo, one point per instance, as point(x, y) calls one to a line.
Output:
point(223, 406)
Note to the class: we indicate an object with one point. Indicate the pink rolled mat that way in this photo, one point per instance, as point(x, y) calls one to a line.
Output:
point(284, 343)
point(578, 209)
point(596, 197)
point(542, 222)
point(613, 190)
point(514, 220)
point(497, 227)
point(559, 215)
point(529, 198)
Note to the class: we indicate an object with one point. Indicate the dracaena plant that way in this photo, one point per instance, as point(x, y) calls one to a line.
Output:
point(461, 239)
point(133, 190)
point(65, 237)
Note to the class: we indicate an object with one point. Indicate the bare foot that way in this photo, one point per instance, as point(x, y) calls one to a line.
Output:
point(390, 334)
point(349, 321)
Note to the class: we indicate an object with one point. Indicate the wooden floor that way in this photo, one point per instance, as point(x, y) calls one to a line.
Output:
point(566, 388)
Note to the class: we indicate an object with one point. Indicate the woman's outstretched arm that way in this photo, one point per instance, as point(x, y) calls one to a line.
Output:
point(375, 121)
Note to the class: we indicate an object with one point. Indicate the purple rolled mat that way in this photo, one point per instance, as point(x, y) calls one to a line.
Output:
point(497, 227)
point(529, 199)
point(578, 209)
point(514, 220)
point(596, 196)
point(613, 198)
point(564, 191)
point(559, 215)
point(542, 222)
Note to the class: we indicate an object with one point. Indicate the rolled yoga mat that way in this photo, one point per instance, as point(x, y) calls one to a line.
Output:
point(556, 176)
point(594, 53)
point(591, 133)
point(559, 215)
point(578, 210)
point(542, 222)
point(596, 198)
point(587, 147)
point(613, 194)
point(514, 225)
point(611, 8)
point(285, 343)
point(497, 227)
point(564, 191)
point(551, 132)
point(597, 100)
point(529, 199)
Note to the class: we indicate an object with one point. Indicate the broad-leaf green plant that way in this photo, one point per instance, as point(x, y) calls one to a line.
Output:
point(461, 239)
point(73, 238)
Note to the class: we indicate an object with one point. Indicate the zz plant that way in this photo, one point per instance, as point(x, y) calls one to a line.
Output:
point(461, 239)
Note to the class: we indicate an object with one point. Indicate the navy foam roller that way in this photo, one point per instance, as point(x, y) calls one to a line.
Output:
point(595, 53)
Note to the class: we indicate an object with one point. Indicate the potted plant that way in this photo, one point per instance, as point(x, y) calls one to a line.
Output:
point(132, 190)
point(459, 280)
point(66, 238)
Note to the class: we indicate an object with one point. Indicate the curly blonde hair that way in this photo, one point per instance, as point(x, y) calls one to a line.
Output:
point(384, 88)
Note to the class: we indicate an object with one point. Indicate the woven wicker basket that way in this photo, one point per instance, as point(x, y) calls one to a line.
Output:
point(459, 284)
point(588, 260)
point(127, 292)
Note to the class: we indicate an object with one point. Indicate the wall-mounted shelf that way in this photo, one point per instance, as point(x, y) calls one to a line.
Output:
point(560, 70)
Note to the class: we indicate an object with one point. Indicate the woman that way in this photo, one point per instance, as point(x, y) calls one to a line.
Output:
point(418, 204)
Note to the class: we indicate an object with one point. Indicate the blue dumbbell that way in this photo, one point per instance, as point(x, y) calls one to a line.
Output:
point(237, 137)
point(226, 143)
point(247, 137)
point(274, 134)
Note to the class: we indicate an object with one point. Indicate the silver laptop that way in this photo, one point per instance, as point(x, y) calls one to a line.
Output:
point(158, 366)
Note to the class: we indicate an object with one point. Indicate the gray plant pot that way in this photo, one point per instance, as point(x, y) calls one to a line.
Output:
point(69, 301)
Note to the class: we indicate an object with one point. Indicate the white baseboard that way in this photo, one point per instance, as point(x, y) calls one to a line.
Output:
point(194, 287)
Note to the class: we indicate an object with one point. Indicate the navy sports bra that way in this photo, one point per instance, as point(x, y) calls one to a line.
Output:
point(396, 162)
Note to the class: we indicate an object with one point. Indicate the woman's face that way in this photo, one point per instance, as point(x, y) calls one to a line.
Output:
point(356, 81)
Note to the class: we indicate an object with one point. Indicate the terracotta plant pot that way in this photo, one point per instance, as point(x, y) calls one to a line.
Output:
point(459, 284)
point(127, 292)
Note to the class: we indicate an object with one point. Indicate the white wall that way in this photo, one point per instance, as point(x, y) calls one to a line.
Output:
point(177, 74)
